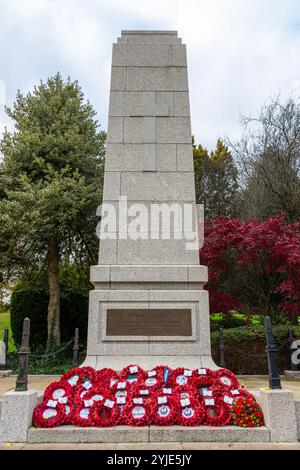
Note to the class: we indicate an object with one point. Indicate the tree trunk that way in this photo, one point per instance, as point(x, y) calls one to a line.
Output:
point(54, 292)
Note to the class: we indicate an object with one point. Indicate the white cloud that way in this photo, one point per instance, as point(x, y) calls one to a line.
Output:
point(239, 51)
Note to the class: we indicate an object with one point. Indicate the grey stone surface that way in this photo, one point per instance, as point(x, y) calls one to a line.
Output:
point(173, 129)
point(184, 157)
point(74, 434)
point(143, 103)
point(208, 434)
point(140, 55)
point(279, 411)
point(157, 79)
point(166, 157)
point(118, 78)
point(158, 186)
point(112, 185)
point(115, 132)
point(179, 54)
point(16, 416)
point(139, 130)
point(153, 434)
point(181, 103)
point(149, 160)
point(149, 157)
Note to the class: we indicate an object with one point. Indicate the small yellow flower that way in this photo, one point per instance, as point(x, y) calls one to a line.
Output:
point(266, 388)
point(8, 444)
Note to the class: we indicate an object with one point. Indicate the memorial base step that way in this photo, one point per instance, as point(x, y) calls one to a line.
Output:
point(72, 434)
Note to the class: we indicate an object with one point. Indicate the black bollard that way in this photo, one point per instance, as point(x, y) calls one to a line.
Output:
point(75, 348)
point(24, 352)
point(271, 350)
point(222, 348)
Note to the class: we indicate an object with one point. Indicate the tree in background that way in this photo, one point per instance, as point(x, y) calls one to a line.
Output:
point(50, 185)
point(268, 157)
point(216, 180)
point(254, 265)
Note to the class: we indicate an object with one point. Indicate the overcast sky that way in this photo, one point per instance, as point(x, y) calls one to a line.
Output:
point(240, 52)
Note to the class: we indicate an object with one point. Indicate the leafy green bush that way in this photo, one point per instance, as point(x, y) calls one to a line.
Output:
point(253, 332)
point(30, 299)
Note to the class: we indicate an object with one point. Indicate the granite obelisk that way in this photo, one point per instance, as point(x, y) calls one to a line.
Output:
point(148, 306)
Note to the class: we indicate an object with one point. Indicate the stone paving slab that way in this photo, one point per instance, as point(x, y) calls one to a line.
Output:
point(153, 434)
point(156, 447)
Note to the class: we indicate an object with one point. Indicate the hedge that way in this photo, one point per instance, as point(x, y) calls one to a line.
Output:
point(30, 299)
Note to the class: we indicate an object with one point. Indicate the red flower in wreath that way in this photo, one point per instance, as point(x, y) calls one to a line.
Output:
point(79, 375)
point(45, 416)
point(132, 373)
point(217, 413)
point(247, 413)
point(120, 389)
point(106, 413)
point(164, 410)
point(225, 378)
point(153, 379)
point(184, 391)
point(202, 377)
point(165, 374)
point(83, 414)
point(182, 376)
point(190, 412)
point(106, 377)
point(138, 412)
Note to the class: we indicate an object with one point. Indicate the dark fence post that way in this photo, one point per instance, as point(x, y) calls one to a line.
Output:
point(271, 350)
point(24, 352)
point(222, 348)
point(76, 348)
point(291, 348)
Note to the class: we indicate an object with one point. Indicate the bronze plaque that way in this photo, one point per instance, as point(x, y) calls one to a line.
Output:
point(148, 322)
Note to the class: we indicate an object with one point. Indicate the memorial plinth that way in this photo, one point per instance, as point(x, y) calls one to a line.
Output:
point(148, 306)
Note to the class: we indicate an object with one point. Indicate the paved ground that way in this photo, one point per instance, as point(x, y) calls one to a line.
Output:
point(251, 382)
point(157, 447)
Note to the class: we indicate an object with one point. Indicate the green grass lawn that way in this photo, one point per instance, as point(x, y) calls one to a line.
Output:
point(5, 323)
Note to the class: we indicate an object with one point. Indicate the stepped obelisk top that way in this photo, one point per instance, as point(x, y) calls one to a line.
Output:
point(148, 306)
point(149, 156)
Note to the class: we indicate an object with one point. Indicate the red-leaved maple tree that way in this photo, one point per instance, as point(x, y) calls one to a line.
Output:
point(253, 265)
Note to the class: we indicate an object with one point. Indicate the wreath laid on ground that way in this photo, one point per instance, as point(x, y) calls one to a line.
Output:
point(247, 413)
point(135, 397)
point(48, 415)
point(164, 410)
point(217, 413)
point(190, 413)
point(106, 413)
point(138, 412)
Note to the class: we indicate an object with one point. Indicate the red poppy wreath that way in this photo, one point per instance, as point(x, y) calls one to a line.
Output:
point(217, 413)
point(46, 416)
point(225, 378)
point(182, 376)
point(202, 377)
point(132, 373)
point(247, 413)
point(58, 390)
point(138, 412)
point(164, 411)
point(106, 413)
point(190, 412)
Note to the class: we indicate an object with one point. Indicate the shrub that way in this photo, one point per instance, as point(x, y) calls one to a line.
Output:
point(30, 299)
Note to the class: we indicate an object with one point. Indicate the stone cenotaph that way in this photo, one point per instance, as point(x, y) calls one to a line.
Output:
point(148, 306)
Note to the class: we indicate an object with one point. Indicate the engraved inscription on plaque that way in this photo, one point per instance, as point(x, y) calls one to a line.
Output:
point(148, 322)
